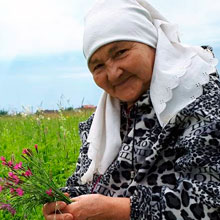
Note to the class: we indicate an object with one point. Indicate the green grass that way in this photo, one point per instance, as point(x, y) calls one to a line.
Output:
point(57, 137)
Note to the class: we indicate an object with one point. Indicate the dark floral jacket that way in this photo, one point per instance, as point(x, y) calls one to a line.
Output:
point(170, 173)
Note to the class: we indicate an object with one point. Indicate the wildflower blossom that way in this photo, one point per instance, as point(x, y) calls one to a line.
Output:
point(28, 173)
point(49, 192)
point(11, 174)
point(23, 181)
point(3, 158)
point(7, 207)
point(20, 192)
point(18, 166)
point(16, 180)
point(12, 190)
point(36, 147)
point(10, 164)
point(25, 151)
point(4, 163)
point(14, 177)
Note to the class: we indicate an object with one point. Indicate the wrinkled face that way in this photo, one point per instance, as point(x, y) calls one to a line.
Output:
point(123, 69)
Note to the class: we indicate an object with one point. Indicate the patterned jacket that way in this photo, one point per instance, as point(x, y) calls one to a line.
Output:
point(170, 173)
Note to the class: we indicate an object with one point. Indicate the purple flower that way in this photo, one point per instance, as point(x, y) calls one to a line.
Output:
point(7, 207)
point(1, 188)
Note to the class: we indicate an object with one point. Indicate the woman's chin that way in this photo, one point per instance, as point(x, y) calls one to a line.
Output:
point(130, 100)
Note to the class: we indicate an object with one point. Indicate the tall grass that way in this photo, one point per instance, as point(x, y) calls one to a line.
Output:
point(57, 137)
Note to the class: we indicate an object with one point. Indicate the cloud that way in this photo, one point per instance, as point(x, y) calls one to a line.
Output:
point(30, 27)
point(198, 20)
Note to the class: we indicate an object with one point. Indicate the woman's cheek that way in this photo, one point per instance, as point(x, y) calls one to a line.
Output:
point(96, 79)
point(99, 80)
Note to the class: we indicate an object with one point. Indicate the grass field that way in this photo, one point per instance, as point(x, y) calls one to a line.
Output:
point(57, 137)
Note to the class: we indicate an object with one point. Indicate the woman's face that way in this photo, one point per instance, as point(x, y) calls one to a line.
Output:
point(123, 69)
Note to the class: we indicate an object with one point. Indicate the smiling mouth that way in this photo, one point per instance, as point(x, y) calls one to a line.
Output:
point(122, 82)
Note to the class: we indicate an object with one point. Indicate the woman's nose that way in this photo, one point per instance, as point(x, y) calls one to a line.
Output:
point(114, 72)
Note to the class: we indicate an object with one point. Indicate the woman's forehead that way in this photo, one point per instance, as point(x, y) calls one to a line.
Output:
point(109, 49)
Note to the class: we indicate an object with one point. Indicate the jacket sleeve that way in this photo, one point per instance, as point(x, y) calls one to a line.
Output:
point(74, 185)
point(196, 194)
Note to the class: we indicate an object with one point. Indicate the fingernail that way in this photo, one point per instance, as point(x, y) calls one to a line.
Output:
point(61, 205)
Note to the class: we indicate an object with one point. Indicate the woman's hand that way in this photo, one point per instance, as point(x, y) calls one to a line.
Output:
point(99, 207)
point(56, 210)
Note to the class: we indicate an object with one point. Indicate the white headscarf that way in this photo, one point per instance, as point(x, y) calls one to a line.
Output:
point(179, 72)
point(112, 20)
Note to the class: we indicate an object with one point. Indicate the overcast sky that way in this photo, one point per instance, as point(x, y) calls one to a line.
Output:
point(41, 61)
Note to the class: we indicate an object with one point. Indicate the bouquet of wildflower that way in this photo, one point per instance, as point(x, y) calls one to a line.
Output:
point(27, 184)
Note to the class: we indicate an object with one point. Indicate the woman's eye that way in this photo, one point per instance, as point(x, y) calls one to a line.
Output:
point(98, 66)
point(120, 52)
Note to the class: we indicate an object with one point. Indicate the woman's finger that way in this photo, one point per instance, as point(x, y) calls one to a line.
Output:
point(50, 208)
point(59, 217)
point(74, 199)
point(67, 194)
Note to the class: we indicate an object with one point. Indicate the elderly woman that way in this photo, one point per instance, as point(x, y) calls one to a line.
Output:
point(152, 148)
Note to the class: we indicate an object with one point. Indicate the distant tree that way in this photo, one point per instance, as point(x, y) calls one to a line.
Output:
point(3, 112)
point(69, 109)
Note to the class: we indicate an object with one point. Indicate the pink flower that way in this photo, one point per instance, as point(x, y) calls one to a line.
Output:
point(4, 163)
point(14, 177)
point(49, 192)
point(18, 166)
point(28, 173)
point(16, 180)
point(20, 192)
point(36, 147)
point(10, 164)
point(12, 190)
point(25, 151)
point(11, 174)
point(1, 188)
point(2, 158)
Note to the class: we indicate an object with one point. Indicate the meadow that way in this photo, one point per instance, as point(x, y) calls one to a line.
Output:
point(56, 135)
